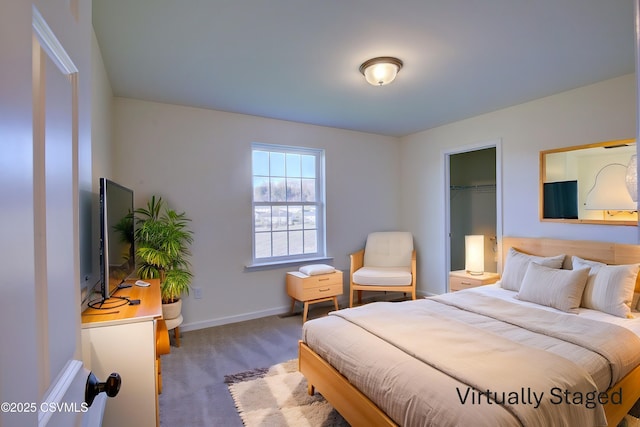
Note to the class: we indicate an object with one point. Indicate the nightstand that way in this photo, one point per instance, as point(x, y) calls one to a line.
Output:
point(313, 289)
point(459, 280)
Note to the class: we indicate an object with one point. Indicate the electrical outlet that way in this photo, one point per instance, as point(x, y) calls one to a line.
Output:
point(197, 293)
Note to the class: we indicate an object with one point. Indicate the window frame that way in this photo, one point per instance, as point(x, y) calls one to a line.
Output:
point(319, 204)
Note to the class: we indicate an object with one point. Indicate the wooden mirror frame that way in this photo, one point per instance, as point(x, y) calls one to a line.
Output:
point(543, 169)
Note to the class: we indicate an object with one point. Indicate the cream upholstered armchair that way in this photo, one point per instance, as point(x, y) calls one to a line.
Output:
point(387, 263)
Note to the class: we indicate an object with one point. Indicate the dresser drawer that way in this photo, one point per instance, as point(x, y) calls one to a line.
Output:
point(459, 280)
point(328, 290)
point(322, 280)
point(458, 283)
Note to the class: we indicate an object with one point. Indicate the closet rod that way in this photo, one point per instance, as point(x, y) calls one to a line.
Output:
point(473, 187)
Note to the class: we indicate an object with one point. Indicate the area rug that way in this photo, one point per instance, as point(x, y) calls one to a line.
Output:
point(277, 396)
point(632, 419)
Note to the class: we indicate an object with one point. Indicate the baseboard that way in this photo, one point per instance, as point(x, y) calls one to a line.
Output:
point(185, 327)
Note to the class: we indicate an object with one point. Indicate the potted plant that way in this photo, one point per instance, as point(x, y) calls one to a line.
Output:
point(124, 229)
point(163, 238)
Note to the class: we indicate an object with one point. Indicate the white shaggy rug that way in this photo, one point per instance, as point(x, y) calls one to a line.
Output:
point(277, 396)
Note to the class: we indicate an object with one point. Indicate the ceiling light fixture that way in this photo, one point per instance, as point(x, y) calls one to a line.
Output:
point(381, 71)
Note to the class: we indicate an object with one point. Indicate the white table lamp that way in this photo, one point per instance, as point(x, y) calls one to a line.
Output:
point(474, 254)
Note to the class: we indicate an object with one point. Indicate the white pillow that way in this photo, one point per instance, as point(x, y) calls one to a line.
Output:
point(609, 287)
point(314, 269)
point(557, 288)
point(516, 266)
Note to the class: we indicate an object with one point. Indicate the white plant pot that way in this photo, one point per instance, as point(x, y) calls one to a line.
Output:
point(172, 310)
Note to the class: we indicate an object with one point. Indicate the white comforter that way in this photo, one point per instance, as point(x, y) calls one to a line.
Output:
point(437, 362)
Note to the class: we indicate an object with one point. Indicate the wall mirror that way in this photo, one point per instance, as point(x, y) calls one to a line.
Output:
point(590, 184)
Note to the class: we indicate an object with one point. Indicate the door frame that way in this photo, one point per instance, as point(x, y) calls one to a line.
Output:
point(446, 157)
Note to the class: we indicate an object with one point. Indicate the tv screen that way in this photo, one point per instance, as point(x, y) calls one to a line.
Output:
point(561, 199)
point(117, 253)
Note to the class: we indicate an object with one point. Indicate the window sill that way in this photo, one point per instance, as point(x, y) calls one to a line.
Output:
point(288, 263)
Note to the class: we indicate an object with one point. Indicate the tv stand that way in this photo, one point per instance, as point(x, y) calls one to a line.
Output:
point(123, 340)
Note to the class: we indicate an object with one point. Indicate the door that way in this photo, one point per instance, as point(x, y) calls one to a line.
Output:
point(473, 203)
point(62, 377)
point(42, 379)
point(56, 239)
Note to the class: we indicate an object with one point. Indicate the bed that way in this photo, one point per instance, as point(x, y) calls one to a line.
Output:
point(485, 357)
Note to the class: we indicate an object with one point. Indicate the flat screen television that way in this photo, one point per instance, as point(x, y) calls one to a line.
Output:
point(561, 199)
point(117, 249)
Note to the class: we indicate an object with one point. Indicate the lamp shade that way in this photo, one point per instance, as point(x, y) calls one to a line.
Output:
point(474, 254)
point(631, 179)
point(609, 192)
point(381, 71)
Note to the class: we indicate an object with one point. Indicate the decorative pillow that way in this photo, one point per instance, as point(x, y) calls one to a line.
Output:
point(314, 269)
point(609, 287)
point(585, 262)
point(553, 287)
point(516, 266)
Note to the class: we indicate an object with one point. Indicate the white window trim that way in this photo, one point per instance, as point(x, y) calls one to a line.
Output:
point(320, 255)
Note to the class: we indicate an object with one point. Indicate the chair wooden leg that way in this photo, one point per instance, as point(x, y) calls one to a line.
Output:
point(360, 297)
point(350, 298)
point(176, 334)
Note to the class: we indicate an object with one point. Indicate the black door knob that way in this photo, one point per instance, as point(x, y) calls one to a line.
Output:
point(94, 387)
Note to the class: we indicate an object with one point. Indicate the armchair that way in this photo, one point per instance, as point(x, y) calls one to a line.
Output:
point(387, 263)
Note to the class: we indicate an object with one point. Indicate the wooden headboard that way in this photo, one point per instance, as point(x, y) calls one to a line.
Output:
point(609, 253)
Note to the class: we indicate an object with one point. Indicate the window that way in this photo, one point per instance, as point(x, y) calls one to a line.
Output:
point(288, 203)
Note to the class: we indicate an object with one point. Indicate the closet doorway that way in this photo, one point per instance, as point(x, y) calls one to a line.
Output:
point(473, 200)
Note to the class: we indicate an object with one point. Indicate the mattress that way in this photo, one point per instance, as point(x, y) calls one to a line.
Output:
point(440, 362)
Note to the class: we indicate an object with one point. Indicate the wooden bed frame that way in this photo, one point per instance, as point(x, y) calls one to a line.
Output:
point(359, 410)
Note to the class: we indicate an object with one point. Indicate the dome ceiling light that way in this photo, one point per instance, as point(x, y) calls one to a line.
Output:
point(381, 71)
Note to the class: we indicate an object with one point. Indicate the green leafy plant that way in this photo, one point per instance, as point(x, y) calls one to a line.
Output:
point(163, 238)
point(125, 230)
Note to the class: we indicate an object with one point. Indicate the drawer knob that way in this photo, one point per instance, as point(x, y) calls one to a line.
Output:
point(324, 290)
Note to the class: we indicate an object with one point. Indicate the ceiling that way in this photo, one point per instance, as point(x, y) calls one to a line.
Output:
point(298, 60)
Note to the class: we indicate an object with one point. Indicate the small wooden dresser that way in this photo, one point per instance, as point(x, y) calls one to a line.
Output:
point(313, 289)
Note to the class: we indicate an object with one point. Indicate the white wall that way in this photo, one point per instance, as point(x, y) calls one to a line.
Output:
point(199, 161)
point(600, 112)
point(101, 121)
point(101, 159)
